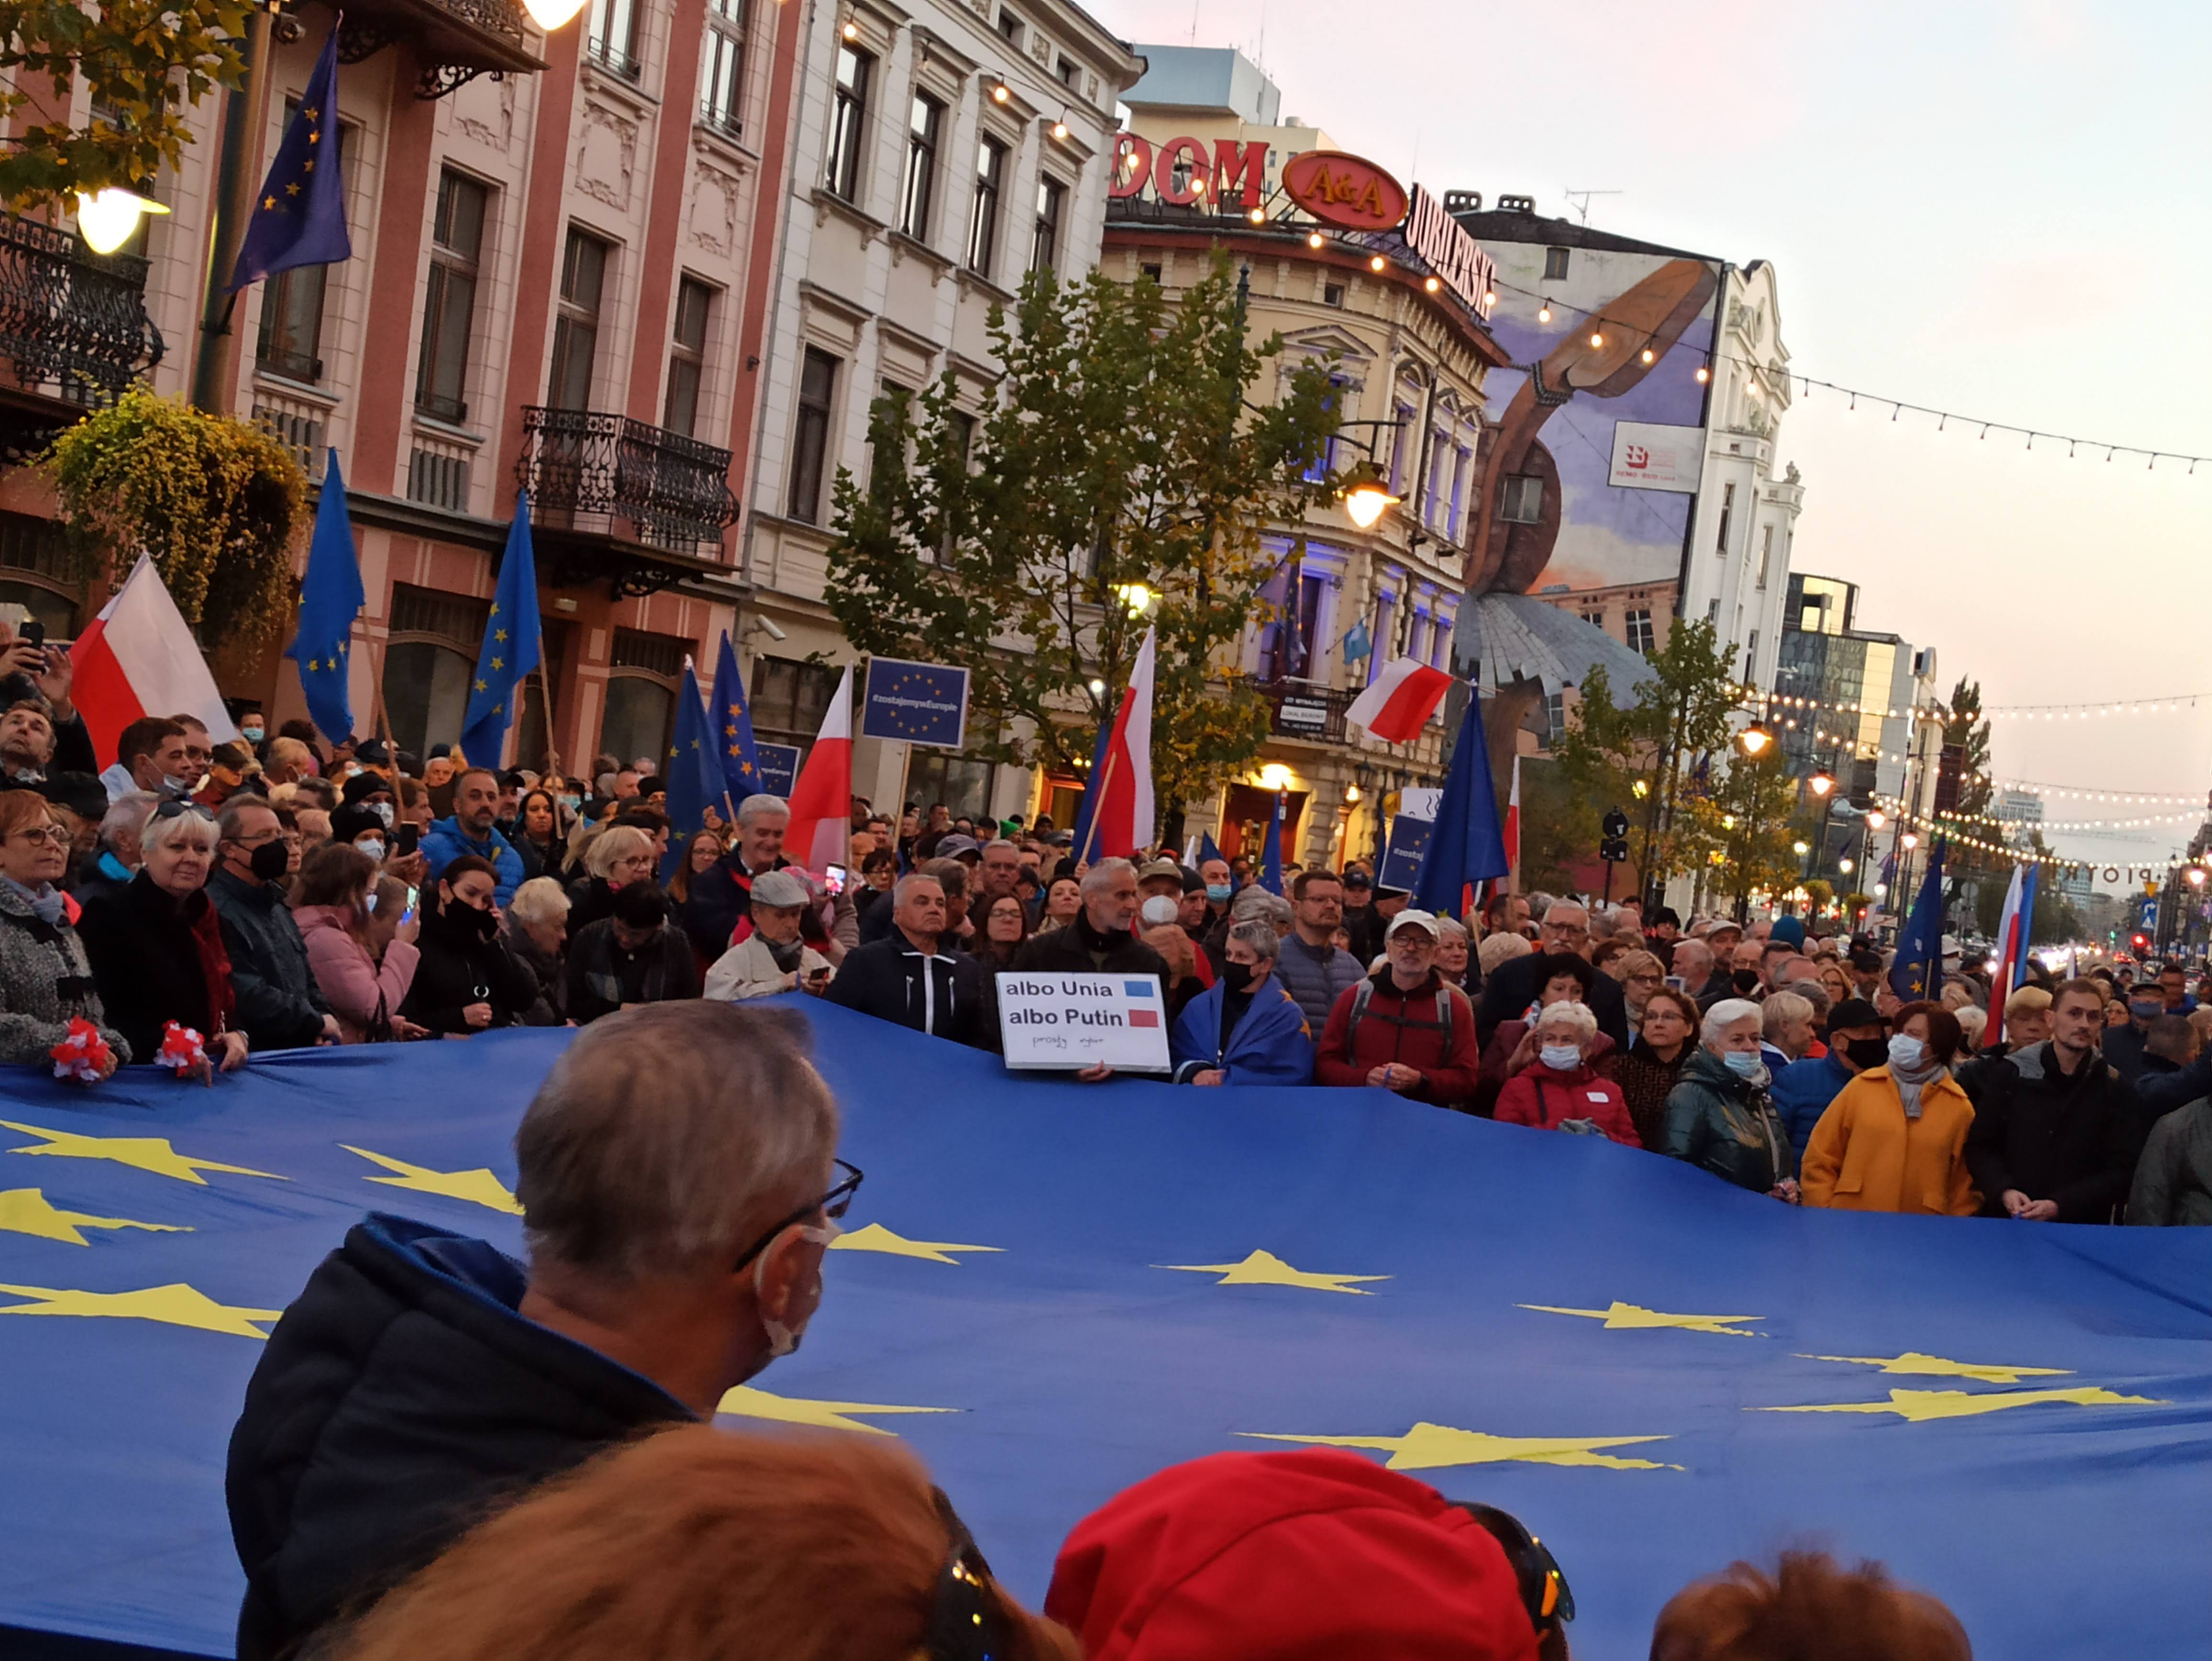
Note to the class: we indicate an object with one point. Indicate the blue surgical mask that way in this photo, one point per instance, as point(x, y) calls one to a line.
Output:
point(1560, 1058)
point(1218, 892)
point(251, 735)
point(1742, 1063)
point(1906, 1052)
point(373, 847)
point(572, 803)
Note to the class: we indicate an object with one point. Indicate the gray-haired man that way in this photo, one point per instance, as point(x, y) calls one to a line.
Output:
point(677, 1186)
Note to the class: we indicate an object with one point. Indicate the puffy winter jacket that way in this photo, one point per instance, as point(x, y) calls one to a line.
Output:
point(1546, 1099)
point(447, 841)
point(363, 996)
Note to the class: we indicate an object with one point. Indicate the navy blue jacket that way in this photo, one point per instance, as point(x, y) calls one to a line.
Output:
point(401, 1398)
point(1802, 1092)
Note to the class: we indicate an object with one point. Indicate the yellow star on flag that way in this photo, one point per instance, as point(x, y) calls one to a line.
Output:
point(876, 1237)
point(481, 686)
point(176, 1305)
point(1264, 1269)
point(747, 1403)
point(151, 1154)
point(1430, 1447)
point(479, 1186)
point(1618, 1316)
point(1918, 1406)
point(497, 663)
point(1935, 1366)
point(291, 190)
point(27, 1211)
point(499, 635)
point(268, 202)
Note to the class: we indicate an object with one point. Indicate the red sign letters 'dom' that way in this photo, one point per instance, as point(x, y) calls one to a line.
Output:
point(1181, 171)
point(1345, 191)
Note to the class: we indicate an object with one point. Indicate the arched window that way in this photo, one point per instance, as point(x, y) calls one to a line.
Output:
point(428, 660)
point(642, 682)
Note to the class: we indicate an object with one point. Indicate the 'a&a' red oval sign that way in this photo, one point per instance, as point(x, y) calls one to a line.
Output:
point(1344, 190)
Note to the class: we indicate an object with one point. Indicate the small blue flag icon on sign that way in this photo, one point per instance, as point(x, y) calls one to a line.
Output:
point(1138, 989)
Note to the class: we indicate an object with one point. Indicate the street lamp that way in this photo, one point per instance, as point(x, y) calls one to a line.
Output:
point(1877, 818)
point(1844, 865)
point(1366, 496)
point(107, 219)
point(1821, 783)
point(1801, 846)
point(1137, 596)
point(550, 14)
point(1754, 738)
point(1910, 839)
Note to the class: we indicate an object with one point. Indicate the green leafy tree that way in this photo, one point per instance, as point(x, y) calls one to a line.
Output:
point(1119, 480)
point(1647, 754)
point(1966, 738)
point(1744, 826)
point(215, 500)
point(145, 62)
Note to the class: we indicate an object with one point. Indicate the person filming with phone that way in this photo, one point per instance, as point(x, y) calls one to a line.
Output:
point(34, 673)
point(772, 959)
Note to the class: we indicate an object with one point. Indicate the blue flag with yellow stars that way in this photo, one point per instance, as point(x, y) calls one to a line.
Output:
point(740, 757)
point(1050, 1290)
point(331, 597)
point(510, 646)
point(1271, 849)
point(299, 218)
point(693, 778)
point(1918, 970)
point(924, 704)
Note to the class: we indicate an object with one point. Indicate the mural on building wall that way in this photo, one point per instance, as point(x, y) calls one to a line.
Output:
point(1557, 521)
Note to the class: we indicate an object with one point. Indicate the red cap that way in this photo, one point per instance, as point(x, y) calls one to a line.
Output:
point(1307, 1557)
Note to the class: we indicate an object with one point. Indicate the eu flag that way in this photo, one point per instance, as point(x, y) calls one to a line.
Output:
point(693, 777)
point(510, 646)
point(1917, 971)
point(1271, 850)
point(331, 597)
point(1467, 845)
point(734, 750)
point(299, 218)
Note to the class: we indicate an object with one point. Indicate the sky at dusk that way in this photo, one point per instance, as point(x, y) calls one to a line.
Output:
point(1998, 209)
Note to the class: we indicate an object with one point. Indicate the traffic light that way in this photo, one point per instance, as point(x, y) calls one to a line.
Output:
point(2141, 943)
point(1614, 849)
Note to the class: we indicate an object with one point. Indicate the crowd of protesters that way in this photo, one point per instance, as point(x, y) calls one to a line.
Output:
point(198, 903)
point(446, 1454)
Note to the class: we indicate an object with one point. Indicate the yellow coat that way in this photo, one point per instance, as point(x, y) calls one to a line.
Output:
point(1865, 1155)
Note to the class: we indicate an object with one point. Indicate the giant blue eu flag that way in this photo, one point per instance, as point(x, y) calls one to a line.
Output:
point(331, 597)
point(1051, 1290)
point(510, 646)
point(299, 218)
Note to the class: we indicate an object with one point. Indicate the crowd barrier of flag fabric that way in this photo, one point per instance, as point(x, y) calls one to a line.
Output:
point(1053, 1289)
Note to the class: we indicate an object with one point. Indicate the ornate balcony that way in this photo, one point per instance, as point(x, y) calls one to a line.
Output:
point(73, 322)
point(656, 499)
point(454, 40)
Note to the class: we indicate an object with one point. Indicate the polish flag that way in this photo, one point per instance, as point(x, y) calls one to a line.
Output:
point(2014, 930)
point(1513, 820)
point(139, 659)
point(819, 835)
point(1120, 821)
point(1398, 703)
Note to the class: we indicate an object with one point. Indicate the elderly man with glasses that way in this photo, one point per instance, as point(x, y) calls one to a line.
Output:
point(679, 1186)
point(1507, 995)
point(280, 1006)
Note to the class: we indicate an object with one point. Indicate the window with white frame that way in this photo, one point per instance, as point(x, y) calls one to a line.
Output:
point(721, 76)
point(1641, 636)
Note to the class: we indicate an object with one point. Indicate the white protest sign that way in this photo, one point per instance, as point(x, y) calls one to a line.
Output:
point(1071, 1021)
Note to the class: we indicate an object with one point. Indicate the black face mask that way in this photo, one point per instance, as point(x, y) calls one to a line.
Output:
point(472, 921)
point(1867, 1052)
point(1744, 979)
point(1236, 976)
point(271, 860)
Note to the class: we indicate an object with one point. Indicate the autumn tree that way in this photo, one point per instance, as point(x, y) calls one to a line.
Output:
point(144, 61)
point(1118, 479)
point(1653, 753)
point(1745, 822)
point(1966, 750)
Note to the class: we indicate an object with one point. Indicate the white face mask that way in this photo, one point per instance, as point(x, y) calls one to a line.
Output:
point(374, 848)
point(383, 811)
point(1565, 1057)
point(781, 1339)
point(1906, 1052)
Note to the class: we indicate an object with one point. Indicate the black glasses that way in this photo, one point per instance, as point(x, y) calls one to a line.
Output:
point(1544, 1591)
point(176, 806)
point(832, 1205)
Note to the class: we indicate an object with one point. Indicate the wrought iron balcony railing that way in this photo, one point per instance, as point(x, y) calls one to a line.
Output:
point(73, 321)
point(589, 470)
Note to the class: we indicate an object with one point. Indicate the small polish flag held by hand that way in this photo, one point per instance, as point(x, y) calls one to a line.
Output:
point(1398, 704)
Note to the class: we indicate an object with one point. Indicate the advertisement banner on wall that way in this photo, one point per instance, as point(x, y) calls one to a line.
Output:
point(1647, 456)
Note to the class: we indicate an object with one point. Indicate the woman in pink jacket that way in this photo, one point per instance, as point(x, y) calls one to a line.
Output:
point(1559, 1090)
point(342, 930)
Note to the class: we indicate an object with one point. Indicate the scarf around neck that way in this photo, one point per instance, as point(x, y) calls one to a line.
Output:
point(1909, 1085)
point(44, 900)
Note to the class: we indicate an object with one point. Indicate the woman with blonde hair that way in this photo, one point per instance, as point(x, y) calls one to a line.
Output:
point(618, 856)
point(698, 1545)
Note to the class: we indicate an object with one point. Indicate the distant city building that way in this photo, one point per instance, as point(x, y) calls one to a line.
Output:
point(2021, 812)
point(1859, 688)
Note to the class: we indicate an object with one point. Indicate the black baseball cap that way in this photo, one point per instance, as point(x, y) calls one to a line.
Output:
point(1357, 879)
point(1855, 1012)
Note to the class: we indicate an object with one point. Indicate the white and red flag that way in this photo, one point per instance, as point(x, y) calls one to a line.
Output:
point(1513, 821)
point(139, 659)
point(819, 835)
point(1400, 700)
point(2014, 931)
point(1116, 819)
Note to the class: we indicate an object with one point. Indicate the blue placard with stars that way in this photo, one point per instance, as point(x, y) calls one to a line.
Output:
point(1050, 1290)
point(778, 768)
point(1402, 855)
point(924, 704)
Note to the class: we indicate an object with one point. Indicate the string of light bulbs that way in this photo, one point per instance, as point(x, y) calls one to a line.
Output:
point(1546, 304)
point(2047, 858)
point(2118, 798)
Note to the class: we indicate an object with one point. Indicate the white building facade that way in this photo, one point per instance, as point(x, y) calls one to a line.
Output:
point(941, 153)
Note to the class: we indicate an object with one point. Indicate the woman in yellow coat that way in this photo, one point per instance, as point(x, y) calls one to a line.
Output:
point(1894, 1139)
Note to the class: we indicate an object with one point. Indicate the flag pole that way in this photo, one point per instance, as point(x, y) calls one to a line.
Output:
point(1091, 835)
point(545, 697)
